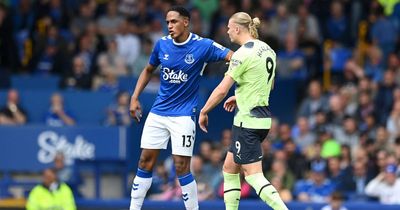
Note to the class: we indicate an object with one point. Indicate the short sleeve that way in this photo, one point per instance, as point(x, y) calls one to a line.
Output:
point(216, 52)
point(237, 66)
point(154, 60)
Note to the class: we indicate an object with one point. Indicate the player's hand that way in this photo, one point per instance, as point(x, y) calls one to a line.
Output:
point(203, 122)
point(135, 110)
point(230, 104)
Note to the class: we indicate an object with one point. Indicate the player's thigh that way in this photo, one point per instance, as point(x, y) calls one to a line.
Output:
point(246, 144)
point(183, 132)
point(155, 134)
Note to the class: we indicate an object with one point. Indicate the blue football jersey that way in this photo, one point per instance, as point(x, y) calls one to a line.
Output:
point(182, 65)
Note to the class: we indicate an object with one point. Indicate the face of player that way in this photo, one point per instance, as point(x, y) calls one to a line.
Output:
point(177, 25)
point(233, 30)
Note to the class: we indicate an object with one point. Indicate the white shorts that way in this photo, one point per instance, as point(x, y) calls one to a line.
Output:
point(159, 129)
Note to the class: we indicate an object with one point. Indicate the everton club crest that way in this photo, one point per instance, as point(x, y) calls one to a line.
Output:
point(189, 59)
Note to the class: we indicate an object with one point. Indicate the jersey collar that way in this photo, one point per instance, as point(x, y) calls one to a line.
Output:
point(183, 43)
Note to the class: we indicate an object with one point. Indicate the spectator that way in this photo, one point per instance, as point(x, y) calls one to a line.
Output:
point(386, 186)
point(280, 170)
point(110, 63)
point(282, 24)
point(336, 112)
point(108, 23)
point(284, 136)
point(384, 97)
point(345, 156)
point(51, 194)
point(141, 20)
point(226, 140)
point(205, 150)
point(347, 133)
point(77, 79)
point(357, 181)
point(382, 139)
point(317, 188)
point(118, 114)
point(143, 57)
point(80, 22)
point(160, 179)
point(291, 61)
point(57, 116)
point(365, 106)
point(205, 191)
point(313, 102)
point(12, 113)
point(337, 24)
point(128, 44)
point(373, 68)
point(303, 137)
point(311, 28)
point(335, 202)
point(56, 11)
point(87, 52)
point(295, 160)
point(50, 52)
point(213, 168)
point(337, 174)
point(383, 32)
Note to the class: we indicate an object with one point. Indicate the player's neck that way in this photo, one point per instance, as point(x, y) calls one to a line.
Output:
point(244, 39)
point(183, 37)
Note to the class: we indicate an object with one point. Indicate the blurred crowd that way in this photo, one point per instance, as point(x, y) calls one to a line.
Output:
point(343, 53)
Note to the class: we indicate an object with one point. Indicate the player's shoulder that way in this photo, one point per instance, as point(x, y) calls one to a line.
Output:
point(206, 42)
point(199, 40)
point(263, 46)
point(165, 39)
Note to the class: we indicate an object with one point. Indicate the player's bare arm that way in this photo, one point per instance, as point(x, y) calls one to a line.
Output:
point(229, 55)
point(135, 109)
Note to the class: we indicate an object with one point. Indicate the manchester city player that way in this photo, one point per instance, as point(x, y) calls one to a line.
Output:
point(182, 57)
point(252, 67)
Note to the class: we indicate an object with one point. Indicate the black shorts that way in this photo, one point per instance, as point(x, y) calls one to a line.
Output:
point(246, 144)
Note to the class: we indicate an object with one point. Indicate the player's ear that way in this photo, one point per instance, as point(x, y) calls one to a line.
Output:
point(186, 22)
point(237, 29)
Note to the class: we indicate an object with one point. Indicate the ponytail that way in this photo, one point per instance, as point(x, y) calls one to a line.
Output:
point(244, 19)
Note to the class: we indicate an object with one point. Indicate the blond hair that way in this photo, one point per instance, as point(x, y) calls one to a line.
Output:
point(244, 19)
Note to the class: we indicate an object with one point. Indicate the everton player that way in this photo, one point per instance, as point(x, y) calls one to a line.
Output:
point(182, 57)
